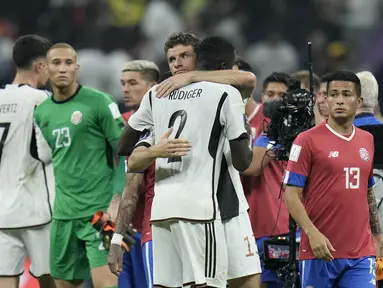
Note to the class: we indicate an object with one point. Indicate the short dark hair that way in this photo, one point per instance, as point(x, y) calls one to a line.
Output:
point(346, 76)
point(324, 78)
point(216, 53)
point(304, 77)
point(182, 38)
point(28, 48)
point(243, 65)
point(278, 77)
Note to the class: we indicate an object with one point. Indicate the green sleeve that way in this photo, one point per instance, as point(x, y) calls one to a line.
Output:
point(110, 119)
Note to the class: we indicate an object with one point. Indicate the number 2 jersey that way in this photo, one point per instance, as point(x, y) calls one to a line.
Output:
point(26, 184)
point(206, 114)
point(81, 131)
point(335, 173)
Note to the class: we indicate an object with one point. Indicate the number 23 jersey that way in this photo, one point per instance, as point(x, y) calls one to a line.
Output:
point(206, 114)
point(335, 173)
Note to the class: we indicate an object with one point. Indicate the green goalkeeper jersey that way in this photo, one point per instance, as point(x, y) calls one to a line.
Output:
point(82, 132)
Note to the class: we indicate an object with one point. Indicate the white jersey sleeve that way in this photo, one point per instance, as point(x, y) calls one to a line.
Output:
point(147, 139)
point(232, 116)
point(142, 119)
point(27, 184)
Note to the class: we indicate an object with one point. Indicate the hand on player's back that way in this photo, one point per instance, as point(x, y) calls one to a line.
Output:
point(321, 246)
point(168, 148)
point(173, 83)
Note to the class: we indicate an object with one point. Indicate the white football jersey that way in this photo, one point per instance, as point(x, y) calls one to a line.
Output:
point(206, 114)
point(27, 184)
point(231, 198)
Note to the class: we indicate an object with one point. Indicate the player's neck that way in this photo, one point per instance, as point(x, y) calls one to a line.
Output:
point(62, 94)
point(25, 77)
point(342, 127)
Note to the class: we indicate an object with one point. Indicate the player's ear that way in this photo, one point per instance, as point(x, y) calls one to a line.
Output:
point(360, 102)
point(77, 68)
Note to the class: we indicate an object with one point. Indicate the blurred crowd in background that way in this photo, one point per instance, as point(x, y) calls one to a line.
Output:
point(271, 34)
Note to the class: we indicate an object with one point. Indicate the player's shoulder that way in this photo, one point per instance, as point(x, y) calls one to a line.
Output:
point(219, 86)
point(309, 136)
point(96, 94)
point(363, 133)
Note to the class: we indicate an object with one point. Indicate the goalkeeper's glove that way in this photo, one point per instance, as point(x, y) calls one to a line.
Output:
point(102, 223)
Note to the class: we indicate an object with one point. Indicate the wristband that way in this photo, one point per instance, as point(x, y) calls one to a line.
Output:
point(117, 239)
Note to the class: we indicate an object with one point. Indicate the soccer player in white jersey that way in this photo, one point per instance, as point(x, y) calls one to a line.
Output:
point(244, 266)
point(26, 190)
point(185, 201)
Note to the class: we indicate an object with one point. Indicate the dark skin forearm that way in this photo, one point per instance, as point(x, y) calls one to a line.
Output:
point(127, 141)
point(374, 214)
point(128, 203)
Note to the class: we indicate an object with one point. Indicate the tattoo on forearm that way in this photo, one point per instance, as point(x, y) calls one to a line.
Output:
point(129, 201)
point(374, 213)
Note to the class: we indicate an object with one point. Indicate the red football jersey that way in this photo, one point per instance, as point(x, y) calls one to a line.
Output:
point(268, 214)
point(137, 220)
point(255, 121)
point(148, 188)
point(335, 173)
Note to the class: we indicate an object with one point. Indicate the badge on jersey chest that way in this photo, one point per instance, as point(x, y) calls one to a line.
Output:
point(364, 154)
point(76, 117)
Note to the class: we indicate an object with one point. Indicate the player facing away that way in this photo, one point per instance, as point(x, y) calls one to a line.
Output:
point(330, 169)
point(27, 184)
point(82, 126)
point(187, 231)
point(137, 78)
point(244, 268)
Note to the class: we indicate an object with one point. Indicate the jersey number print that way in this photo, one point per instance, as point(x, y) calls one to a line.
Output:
point(184, 117)
point(62, 136)
point(4, 128)
point(352, 177)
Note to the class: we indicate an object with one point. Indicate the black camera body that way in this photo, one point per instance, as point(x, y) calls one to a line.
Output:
point(291, 115)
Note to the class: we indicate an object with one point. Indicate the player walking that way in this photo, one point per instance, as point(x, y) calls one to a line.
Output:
point(26, 189)
point(331, 168)
point(82, 126)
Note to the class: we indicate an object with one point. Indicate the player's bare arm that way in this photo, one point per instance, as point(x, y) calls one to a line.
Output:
point(127, 141)
point(245, 81)
point(241, 153)
point(374, 213)
point(125, 215)
point(142, 156)
point(320, 245)
point(261, 158)
point(113, 206)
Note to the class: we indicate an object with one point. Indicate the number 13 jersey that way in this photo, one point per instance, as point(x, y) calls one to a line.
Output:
point(335, 173)
point(206, 114)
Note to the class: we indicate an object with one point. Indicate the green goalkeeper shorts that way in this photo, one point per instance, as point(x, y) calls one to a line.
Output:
point(75, 248)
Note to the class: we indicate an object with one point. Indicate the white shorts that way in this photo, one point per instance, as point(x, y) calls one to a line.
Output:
point(17, 244)
point(186, 254)
point(241, 247)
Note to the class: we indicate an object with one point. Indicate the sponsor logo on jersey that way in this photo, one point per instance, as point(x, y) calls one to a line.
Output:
point(364, 154)
point(76, 117)
point(333, 154)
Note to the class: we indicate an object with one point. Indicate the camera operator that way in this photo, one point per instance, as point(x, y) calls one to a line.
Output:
point(268, 213)
point(320, 90)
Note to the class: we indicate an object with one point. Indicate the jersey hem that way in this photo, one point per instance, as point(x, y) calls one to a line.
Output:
point(183, 219)
point(354, 257)
point(25, 227)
